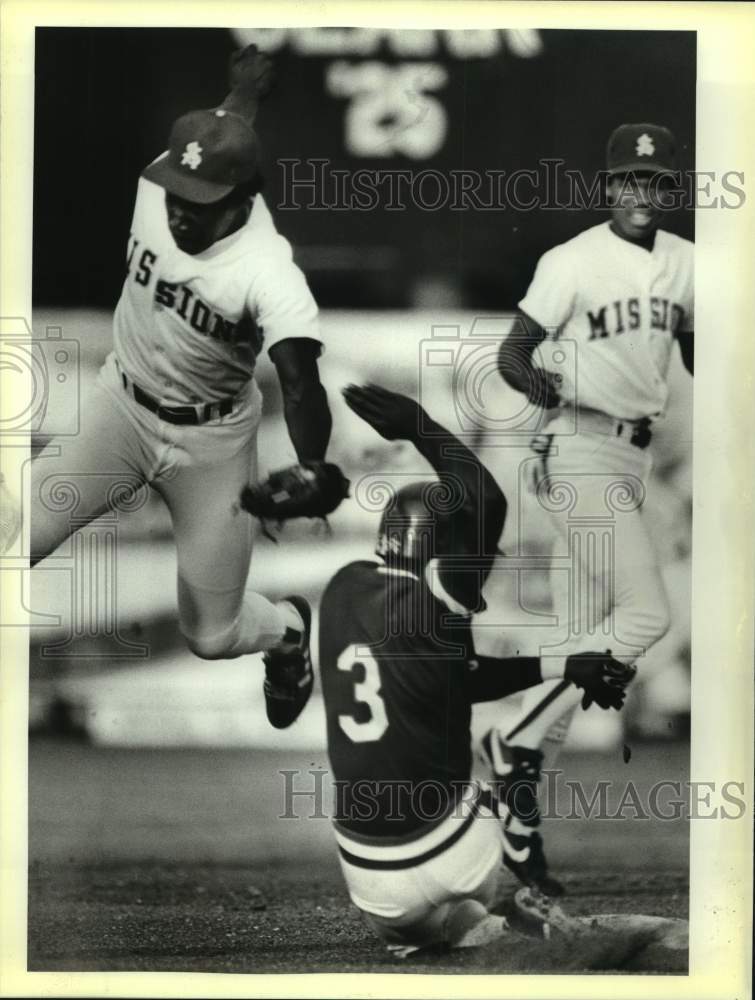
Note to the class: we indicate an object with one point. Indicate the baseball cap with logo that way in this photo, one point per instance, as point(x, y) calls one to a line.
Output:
point(209, 153)
point(643, 147)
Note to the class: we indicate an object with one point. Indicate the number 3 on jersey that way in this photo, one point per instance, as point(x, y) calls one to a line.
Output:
point(366, 692)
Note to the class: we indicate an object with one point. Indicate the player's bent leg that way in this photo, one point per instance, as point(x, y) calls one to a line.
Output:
point(282, 630)
point(629, 614)
point(515, 774)
point(219, 617)
point(222, 626)
point(412, 890)
point(464, 923)
point(75, 479)
point(643, 613)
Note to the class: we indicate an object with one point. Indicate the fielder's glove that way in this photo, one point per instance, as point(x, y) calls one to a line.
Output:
point(309, 489)
point(603, 679)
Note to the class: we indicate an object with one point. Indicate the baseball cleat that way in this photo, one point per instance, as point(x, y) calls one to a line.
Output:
point(288, 671)
point(538, 910)
point(523, 855)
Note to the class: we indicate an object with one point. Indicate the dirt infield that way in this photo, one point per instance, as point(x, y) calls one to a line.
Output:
point(294, 918)
point(175, 861)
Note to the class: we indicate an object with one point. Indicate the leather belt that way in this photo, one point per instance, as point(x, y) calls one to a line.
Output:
point(637, 431)
point(198, 413)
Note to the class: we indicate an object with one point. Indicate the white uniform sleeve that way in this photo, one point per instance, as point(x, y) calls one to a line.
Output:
point(280, 300)
point(551, 295)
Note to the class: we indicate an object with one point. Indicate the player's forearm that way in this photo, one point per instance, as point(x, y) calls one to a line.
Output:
point(495, 678)
point(517, 368)
point(250, 77)
point(242, 103)
point(515, 364)
point(308, 420)
point(484, 503)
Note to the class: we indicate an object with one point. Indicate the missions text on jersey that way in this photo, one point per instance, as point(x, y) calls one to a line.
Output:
point(397, 699)
point(188, 328)
point(621, 306)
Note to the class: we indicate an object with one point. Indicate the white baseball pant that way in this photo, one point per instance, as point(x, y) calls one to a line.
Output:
point(199, 470)
point(433, 888)
point(607, 588)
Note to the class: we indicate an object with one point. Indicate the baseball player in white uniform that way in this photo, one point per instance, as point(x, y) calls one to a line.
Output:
point(209, 284)
point(622, 291)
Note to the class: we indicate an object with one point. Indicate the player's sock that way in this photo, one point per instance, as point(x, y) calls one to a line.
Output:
point(258, 626)
point(542, 707)
point(516, 773)
point(293, 625)
point(517, 828)
point(288, 665)
point(555, 738)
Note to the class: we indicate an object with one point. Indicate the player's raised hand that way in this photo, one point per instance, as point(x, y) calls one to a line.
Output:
point(602, 678)
point(393, 415)
point(251, 72)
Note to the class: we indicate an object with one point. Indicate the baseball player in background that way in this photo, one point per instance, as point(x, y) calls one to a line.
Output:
point(622, 291)
point(420, 844)
point(209, 284)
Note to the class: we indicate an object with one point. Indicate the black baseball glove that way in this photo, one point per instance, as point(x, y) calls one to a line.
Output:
point(308, 489)
point(603, 679)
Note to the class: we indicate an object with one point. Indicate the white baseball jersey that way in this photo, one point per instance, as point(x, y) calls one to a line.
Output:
point(621, 305)
point(188, 329)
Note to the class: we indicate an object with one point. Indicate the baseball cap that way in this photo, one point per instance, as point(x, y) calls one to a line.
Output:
point(209, 153)
point(646, 147)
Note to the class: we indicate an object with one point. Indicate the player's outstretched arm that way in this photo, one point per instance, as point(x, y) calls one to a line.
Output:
point(476, 523)
point(250, 77)
point(602, 678)
point(516, 367)
point(305, 403)
point(480, 517)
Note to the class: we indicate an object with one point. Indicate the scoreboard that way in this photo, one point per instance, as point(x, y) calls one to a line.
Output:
point(444, 154)
point(394, 160)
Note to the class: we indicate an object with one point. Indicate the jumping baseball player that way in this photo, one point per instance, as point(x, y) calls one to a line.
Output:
point(210, 283)
point(622, 291)
point(419, 842)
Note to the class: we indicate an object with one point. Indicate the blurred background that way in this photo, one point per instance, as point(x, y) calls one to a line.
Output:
point(107, 662)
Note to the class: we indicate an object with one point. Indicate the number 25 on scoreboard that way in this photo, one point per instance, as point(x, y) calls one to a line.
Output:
point(366, 692)
point(390, 112)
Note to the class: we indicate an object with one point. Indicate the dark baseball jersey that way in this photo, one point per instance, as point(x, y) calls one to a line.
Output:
point(396, 681)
